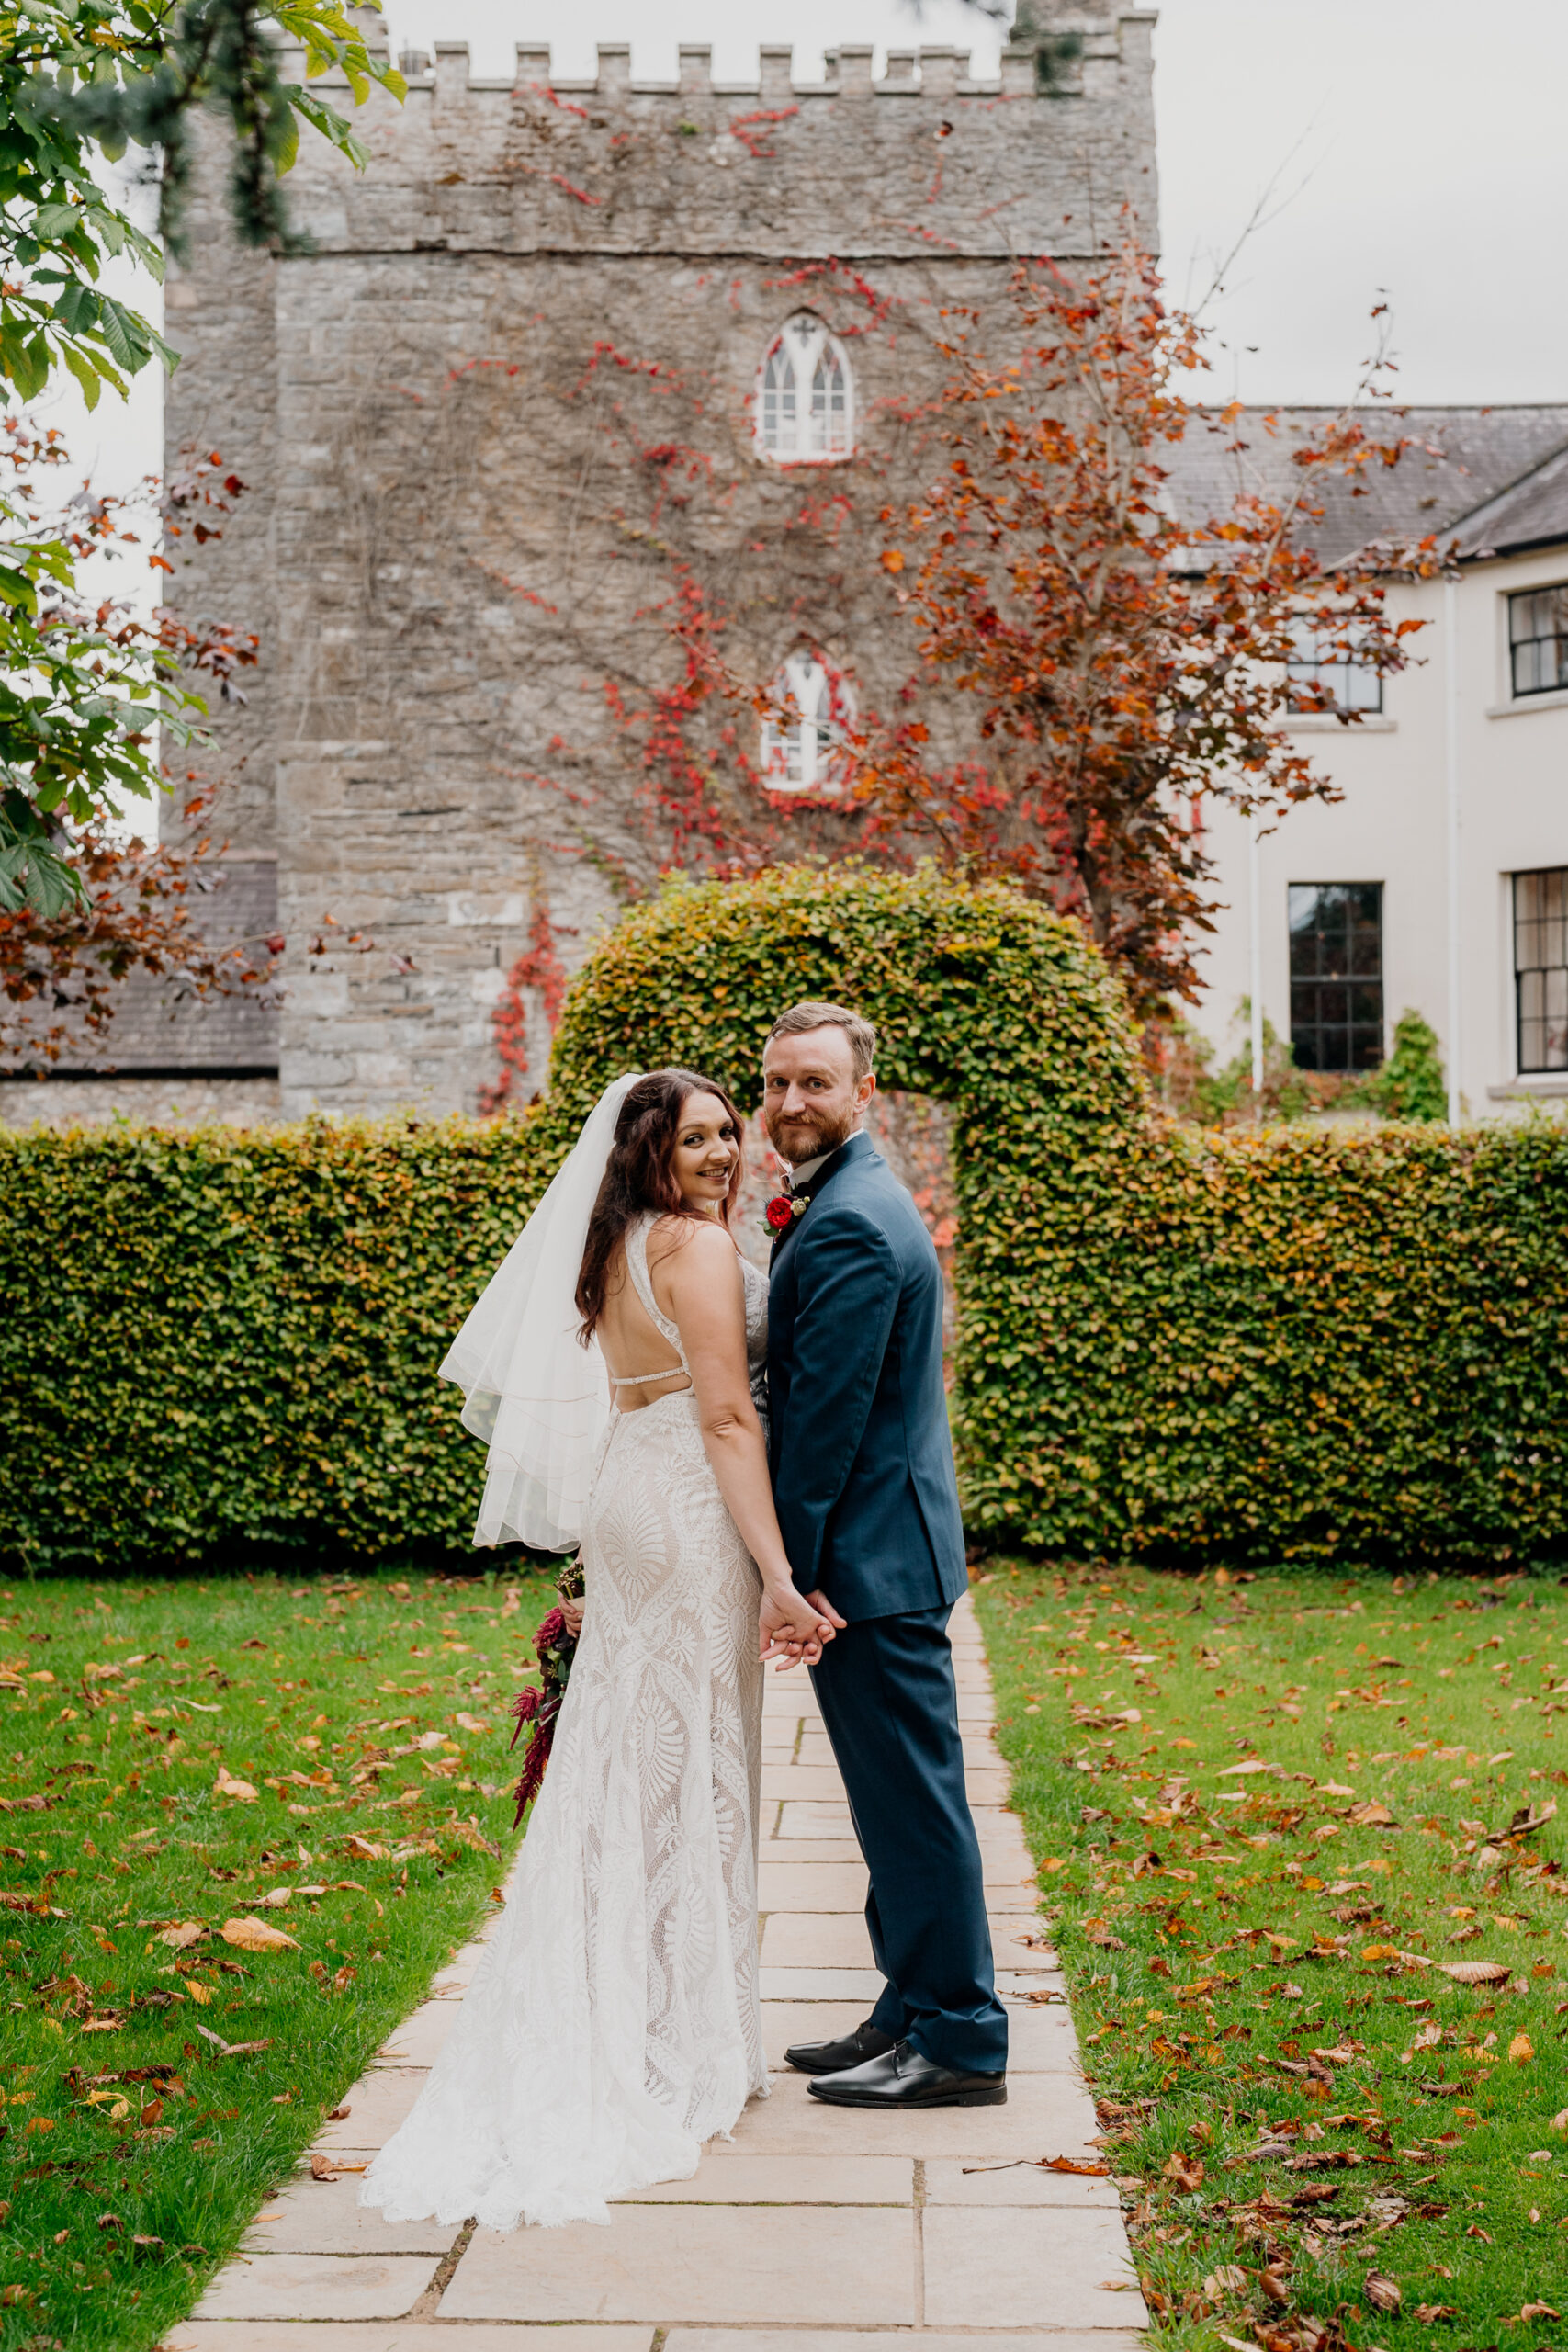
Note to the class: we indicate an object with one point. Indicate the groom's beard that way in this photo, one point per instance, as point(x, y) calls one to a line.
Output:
point(809, 1135)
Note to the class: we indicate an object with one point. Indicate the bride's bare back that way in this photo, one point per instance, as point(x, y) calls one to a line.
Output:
point(707, 1294)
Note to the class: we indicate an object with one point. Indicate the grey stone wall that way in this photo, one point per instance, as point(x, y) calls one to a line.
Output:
point(196, 1098)
point(503, 408)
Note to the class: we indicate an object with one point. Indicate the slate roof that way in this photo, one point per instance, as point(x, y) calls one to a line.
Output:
point(1531, 514)
point(1460, 462)
point(157, 1032)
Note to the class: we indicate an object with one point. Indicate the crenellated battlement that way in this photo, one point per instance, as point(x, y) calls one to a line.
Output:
point(934, 71)
point(926, 158)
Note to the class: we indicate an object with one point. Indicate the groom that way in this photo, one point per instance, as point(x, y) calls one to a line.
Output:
point(863, 1482)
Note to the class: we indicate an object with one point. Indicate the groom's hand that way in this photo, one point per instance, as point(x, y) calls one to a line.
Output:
point(793, 1629)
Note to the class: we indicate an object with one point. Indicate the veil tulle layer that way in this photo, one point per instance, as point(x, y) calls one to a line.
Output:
point(538, 1396)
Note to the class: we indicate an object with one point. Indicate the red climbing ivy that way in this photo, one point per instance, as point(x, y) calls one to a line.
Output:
point(1090, 669)
point(539, 966)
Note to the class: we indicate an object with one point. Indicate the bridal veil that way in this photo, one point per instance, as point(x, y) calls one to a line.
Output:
point(538, 1396)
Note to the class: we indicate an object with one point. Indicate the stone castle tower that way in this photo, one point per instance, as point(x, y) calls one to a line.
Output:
point(447, 415)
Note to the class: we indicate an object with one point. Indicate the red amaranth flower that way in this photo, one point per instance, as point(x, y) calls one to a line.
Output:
point(538, 1703)
point(533, 1761)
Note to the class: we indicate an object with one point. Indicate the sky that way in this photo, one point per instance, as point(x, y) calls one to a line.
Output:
point(1407, 152)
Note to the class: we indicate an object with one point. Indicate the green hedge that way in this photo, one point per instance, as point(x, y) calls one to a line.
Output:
point(1316, 1344)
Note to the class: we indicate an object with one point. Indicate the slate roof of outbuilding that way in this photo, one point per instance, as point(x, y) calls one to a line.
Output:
point(1461, 463)
point(157, 1029)
point(1529, 513)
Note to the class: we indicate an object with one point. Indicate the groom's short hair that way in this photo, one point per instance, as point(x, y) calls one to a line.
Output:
point(815, 1015)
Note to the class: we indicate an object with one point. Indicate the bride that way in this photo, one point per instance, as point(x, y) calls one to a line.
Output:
point(615, 1365)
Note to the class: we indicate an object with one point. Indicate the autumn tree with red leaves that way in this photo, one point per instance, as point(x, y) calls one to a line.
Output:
point(1128, 664)
point(1050, 671)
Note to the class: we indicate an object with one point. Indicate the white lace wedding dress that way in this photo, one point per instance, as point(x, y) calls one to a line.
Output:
point(613, 2025)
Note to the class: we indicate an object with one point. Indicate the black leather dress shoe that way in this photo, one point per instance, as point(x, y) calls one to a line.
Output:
point(833, 2057)
point(902, 2078)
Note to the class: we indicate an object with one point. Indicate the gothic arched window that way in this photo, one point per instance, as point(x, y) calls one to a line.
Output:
point(806, 395)
point(803, 744)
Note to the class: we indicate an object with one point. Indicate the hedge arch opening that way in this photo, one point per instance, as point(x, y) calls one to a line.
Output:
point(982, 999)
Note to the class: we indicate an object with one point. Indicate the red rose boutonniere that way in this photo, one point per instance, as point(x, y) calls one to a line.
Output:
point(783, 1210)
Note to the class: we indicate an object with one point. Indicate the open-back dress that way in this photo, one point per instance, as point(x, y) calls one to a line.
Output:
point(613, 2025)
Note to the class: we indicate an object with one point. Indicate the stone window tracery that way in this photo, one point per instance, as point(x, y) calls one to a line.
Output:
point(805, 400)
point(803, 751)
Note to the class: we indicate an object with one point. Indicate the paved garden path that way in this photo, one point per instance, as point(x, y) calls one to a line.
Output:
point(816, 2229)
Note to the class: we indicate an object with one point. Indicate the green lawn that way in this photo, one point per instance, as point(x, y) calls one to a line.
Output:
point(366, 1718)
point(1267, 1813)
point(1300, 2101)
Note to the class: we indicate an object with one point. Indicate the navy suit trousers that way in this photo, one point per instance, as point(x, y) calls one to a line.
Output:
point(886, 1694)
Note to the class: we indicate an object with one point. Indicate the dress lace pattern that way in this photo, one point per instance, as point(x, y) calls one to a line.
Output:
point(613, 2025)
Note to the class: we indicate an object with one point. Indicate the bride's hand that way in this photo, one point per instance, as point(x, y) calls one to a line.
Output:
point(572, 1610)
point(794, 1627)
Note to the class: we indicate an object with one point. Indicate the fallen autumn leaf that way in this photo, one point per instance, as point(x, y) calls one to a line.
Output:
point(1384, 2294)
point(255, 1934)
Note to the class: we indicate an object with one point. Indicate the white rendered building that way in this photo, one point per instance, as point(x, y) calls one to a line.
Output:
point(1439, 881)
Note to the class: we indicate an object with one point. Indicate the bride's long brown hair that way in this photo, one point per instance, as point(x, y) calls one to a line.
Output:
point(640, 1174)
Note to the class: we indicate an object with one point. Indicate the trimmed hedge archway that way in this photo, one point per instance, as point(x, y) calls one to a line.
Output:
point(981, 998)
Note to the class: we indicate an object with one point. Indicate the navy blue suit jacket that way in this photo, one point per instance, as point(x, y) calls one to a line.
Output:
point(861, 1453)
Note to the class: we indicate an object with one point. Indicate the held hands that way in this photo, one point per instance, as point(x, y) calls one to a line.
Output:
point(795, 1627)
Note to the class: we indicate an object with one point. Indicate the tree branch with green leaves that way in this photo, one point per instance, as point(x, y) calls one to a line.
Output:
point(84, 690)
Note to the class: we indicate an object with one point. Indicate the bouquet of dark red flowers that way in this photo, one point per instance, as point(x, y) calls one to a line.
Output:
point(539, 1702)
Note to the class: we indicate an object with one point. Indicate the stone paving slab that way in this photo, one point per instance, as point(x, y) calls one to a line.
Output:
point(840, 1885)
point(394, 2336)
point(796, 1781)
point(693, 2263)
point(809, 1818)
point(817, 1939)
point(326, 2217)
point(813, 1747)
point(322, 2286)
point(418, 2041)
point(720, 2339)
point(728, 2177)
point(814, 2229)
point(812, 1886)
point(1001, 2268)
point(810, 1850)
point(861, 1985)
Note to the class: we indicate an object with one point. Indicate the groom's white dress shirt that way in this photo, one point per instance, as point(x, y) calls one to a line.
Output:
point(805, 1170)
